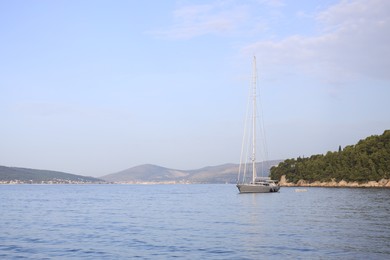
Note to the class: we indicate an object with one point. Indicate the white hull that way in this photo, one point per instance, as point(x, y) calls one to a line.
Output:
point(256, 188)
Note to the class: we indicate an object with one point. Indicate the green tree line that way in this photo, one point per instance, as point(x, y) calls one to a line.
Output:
point(368, 160)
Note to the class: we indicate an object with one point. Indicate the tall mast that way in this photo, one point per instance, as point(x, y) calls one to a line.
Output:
point(254, 122)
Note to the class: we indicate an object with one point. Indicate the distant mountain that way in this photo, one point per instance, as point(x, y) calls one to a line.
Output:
point(25, 175)
point(226, 173)
point(148, 173)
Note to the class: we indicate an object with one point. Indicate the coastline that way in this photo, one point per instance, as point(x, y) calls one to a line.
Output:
point(384, 183)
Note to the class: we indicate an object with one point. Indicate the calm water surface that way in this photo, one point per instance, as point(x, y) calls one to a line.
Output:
point(192, 222)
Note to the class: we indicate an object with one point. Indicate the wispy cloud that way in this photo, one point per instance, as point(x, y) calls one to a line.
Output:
point(272, 3)
point(353, 41)
point(215, 18)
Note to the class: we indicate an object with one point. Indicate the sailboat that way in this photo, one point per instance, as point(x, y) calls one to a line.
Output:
point(254, 183)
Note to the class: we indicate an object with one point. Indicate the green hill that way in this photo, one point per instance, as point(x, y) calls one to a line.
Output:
point(368, 160)
point(24, 175)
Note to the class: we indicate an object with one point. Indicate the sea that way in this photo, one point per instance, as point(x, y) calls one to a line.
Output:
point(203, 221)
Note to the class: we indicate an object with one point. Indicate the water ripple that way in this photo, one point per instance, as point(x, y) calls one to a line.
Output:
point(191, 222)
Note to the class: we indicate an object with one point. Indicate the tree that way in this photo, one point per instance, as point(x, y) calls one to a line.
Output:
point(368, 160)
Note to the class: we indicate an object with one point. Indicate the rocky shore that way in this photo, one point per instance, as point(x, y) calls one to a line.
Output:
point(302, 183)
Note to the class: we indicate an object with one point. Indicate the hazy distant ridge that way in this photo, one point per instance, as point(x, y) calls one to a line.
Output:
point(148, 173)
point(25, 175)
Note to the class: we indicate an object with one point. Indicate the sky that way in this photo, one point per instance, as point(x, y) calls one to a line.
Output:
point(95, 87)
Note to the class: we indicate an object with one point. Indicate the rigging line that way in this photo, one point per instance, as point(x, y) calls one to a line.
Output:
point(263, 149)
point(260, 119)
point(244, 144)
point(254, 100)
point(248, 156)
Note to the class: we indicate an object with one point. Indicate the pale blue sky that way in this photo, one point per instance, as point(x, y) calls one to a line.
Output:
point(94, 87)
